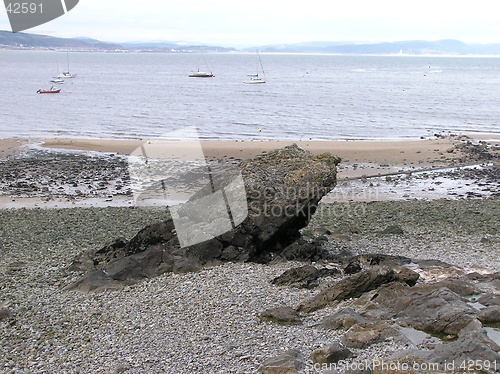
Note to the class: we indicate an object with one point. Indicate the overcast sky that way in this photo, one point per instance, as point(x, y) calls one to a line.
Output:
point(258, 22)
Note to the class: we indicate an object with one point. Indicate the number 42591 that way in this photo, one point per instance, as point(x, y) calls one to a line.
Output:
point(24, 8)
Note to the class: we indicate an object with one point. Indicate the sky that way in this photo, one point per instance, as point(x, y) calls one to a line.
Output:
point(241, 23)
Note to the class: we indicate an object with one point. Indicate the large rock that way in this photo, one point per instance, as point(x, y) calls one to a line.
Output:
point(281, 316)
point(301, 277)
point(352, 286)
point(440, 311)
point(331, 353)
point(472, 352)
point(289, 362)
point(283, 189)
point(363, 335)
point(342, 319)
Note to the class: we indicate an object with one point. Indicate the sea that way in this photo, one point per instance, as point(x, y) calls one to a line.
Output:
point(306, 96)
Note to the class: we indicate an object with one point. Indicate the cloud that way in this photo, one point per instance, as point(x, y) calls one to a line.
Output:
point(228, 22)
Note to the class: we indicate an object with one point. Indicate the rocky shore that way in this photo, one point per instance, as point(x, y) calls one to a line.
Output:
point(358, 305)
point(209, 320)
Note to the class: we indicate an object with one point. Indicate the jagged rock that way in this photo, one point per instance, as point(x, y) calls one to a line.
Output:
point(490, 314)
point(364, 261)
point(349, 287)
point(472, 344)
point(460, 286)
point(302, 277)
point(281, 316)
point(302, 250)
point(342, 319)
point(379, 303)
point(96, 281)
point(362, 336)
point(473, 352)
point(489, 300)
point(283, 189)
point(286, 363)
point(331, 353)
point(440, 311)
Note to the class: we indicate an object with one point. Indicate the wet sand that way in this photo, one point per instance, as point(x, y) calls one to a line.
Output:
point(380, 152)
point(369, 170)
point(418, 153)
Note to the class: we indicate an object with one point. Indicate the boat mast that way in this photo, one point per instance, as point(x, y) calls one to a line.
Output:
point(261, 66)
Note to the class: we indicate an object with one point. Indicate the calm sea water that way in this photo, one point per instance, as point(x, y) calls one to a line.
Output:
point(143, 95)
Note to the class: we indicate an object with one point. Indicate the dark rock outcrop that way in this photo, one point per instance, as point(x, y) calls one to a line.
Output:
point(342, 319)
point(440, 311)
point(302, 277)
point(364, 261)
point(281, 316)
point(289, 362)
point(363, 335)
point(351, 287)
point(472, 352)
point(331, 353)
point(283, 189)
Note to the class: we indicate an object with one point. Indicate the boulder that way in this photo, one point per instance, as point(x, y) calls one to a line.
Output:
point(440, 311)
point(472, 352)
point(330, 354)
point(362, 336)
point(302, 277)
point(490, 315)
point(281, 316)
point(342, 319)
point(283, 189)
point(357, 263)
point(286, 363)
point(349, 287)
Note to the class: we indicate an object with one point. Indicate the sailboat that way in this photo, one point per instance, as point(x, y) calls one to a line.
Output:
point(51, 90)
point(66, 74)
point(255, 77)
point(202, 74)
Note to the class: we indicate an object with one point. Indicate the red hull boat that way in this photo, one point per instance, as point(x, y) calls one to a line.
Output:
point(52, 90)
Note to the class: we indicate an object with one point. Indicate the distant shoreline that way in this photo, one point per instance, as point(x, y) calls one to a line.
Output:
point(152, 51)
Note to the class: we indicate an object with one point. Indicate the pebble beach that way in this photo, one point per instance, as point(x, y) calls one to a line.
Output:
point(206, 321)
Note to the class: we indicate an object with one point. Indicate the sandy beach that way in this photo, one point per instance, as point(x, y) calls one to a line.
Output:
point(382, 155)
point(380, 152)
point(385, 165)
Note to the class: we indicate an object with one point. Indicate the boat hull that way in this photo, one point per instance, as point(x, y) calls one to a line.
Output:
point(48, 91)
point(66, 75)
point(254, 81)
point(201, 74)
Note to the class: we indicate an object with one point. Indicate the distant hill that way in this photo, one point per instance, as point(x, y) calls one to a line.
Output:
point(414, 47)
point(9, 40)
point(21, 40)
point(167, 46)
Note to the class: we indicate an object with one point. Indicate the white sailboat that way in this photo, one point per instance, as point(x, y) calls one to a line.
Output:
point(66, 74)
point(255, 78)
point(202, 74)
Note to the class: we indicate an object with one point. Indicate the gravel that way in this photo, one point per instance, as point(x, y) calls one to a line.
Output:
point(199, 322)
point(462, 232)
